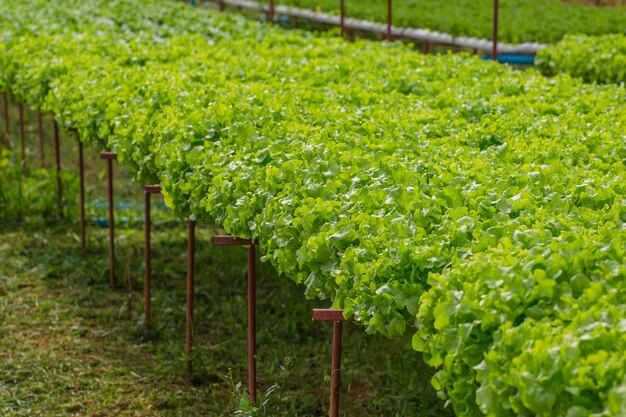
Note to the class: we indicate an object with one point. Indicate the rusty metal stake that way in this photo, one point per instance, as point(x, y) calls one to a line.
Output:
point(389, 20)
point(335, 369)
point(252, 323)
point(81, 195)
point(336, 316)
point(191, 249)
point(222, 6)
point(425, 47)
point(252, 346)
point(494, 52)
point(7, 128)
point(57, 156)
point(147, 272)
point(42, 154)
point(272, 12)
point(147, 256)
point(109, 157)
point(22, 138)
point(342, 17)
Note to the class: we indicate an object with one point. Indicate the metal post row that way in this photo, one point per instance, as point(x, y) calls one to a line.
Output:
point(218, 241)
point(23, 134)
point(342, 19)
point(190, 283)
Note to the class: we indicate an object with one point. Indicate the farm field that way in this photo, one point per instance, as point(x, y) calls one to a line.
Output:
point(544, 21)
point(469, 216)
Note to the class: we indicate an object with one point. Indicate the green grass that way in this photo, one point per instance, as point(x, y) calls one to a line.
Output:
point(71, 346)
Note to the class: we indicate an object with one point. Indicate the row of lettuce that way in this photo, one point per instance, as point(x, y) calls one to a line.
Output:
point(589, 42)
point(544, 21)
point(599, 59)
point(479, 209)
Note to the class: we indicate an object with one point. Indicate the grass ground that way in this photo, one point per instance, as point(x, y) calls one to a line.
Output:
point(71, 346)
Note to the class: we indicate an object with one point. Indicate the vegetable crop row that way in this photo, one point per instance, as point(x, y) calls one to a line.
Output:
point(479, 208)
point(544, 21)
point(599, 59)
